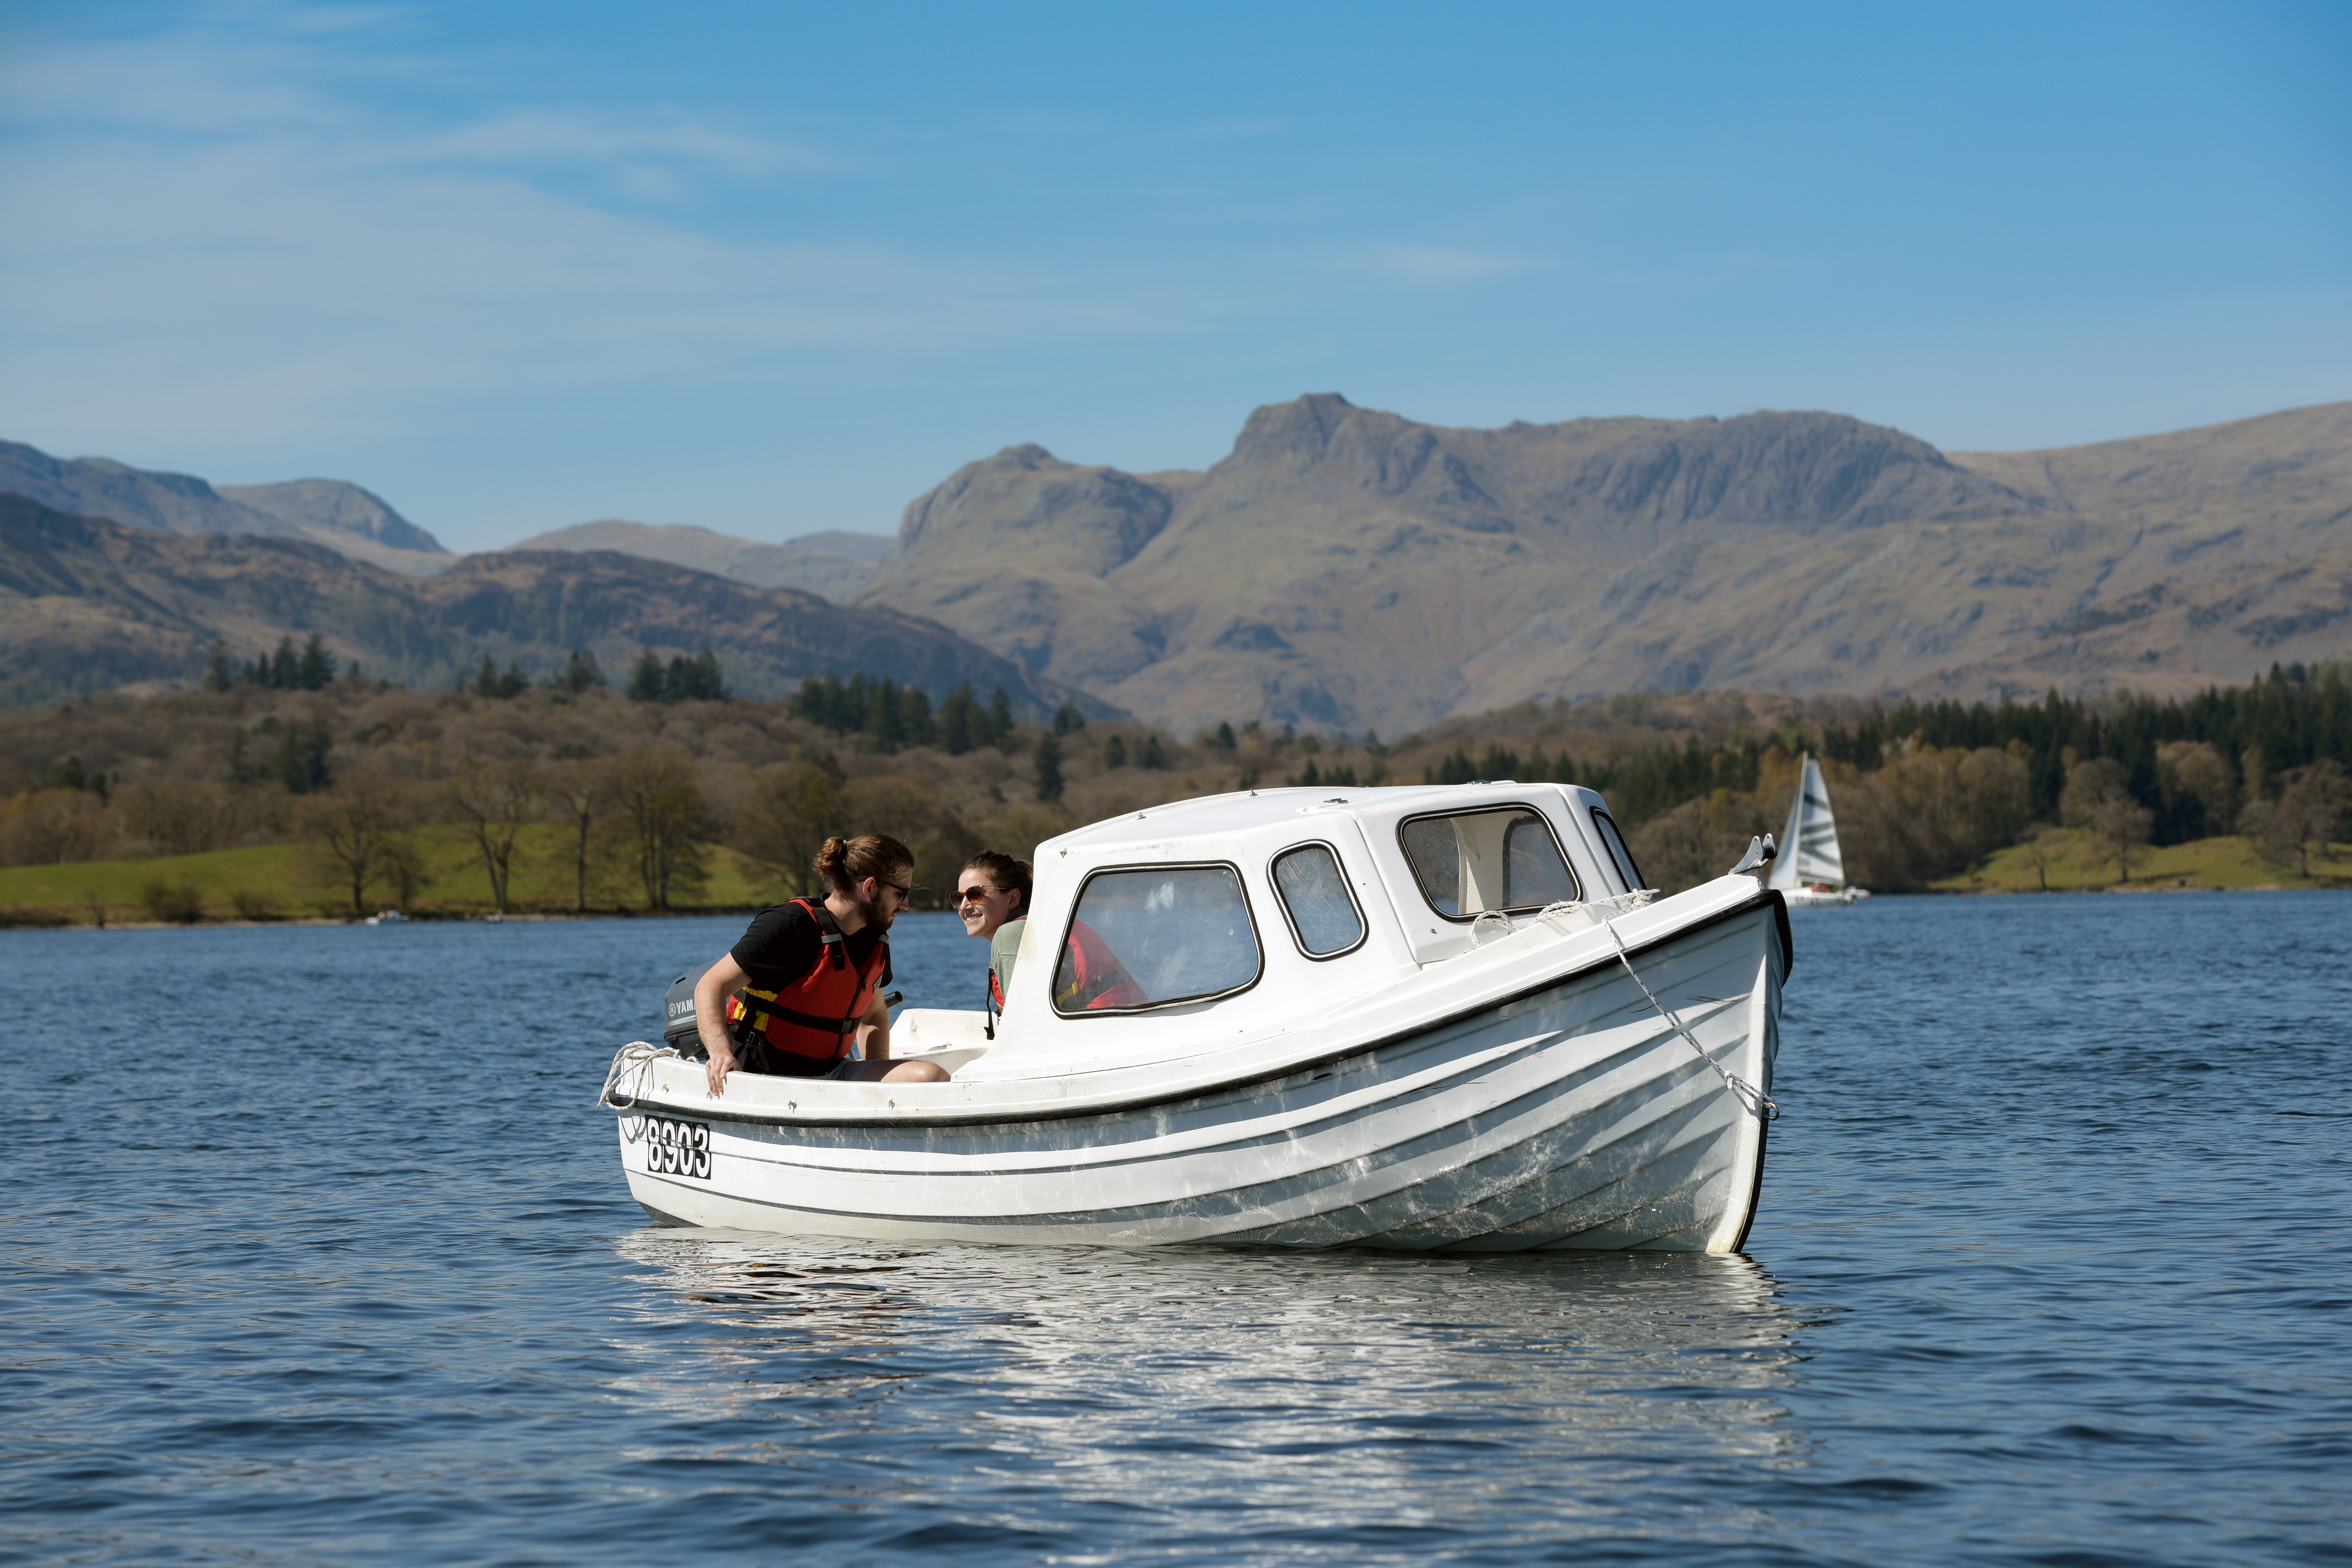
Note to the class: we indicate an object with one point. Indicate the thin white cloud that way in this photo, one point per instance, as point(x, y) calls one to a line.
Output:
point(229, 228)
point(544, 137)
point(1436, 267)
point(201, 235)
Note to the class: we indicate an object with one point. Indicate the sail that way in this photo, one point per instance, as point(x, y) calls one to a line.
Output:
point(1809, 848)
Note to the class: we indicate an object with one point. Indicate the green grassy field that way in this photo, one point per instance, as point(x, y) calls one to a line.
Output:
point(288, 882)
point(2206, 863)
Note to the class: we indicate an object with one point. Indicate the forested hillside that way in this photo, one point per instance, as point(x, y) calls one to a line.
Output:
point(571, 795)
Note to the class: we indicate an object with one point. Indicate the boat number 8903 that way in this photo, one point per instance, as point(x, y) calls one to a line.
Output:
point(677, 1148)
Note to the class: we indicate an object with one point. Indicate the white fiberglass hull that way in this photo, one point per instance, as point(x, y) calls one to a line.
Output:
point(1559, 1111)
point(1820, 897)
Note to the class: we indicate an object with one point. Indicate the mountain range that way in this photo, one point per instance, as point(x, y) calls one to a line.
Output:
point(340, 515)
point(834, 564)
point(87, 604)
point(1344, 568)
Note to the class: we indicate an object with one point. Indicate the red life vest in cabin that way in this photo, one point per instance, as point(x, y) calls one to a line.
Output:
point(1091, 975)
point(816, 1018)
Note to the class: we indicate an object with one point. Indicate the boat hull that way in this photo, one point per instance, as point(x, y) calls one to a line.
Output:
point(1565, 1114)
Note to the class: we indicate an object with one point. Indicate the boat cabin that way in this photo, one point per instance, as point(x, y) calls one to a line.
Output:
point(1172, 930)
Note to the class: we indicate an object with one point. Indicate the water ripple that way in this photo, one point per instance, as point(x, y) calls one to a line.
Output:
point(2049, 1269)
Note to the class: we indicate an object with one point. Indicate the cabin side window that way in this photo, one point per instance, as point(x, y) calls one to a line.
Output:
point(1148, 938)
point(1618, 848)
point(1470, 862)
point(1315, 896)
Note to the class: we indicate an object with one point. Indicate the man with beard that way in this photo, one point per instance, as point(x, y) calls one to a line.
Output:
point(805, 985)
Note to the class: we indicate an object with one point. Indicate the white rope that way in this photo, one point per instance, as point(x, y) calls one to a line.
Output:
point(1759, 1103)
point(636, 1061)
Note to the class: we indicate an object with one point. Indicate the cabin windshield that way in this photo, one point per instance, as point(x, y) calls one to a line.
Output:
point(1473, 861)
point(1147, 938)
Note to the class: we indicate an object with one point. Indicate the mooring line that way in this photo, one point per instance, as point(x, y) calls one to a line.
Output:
point(1758, 1104)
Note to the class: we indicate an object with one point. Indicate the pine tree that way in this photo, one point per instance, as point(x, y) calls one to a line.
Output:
point(886, 728)
point(318, 668)
point(957, 716)
point(647, 683)
point(301, 764)
point(579, 673)
point(1048, 759)
point(915, 715)
point(695, 679)
point(710, 686)
point(1000, 721)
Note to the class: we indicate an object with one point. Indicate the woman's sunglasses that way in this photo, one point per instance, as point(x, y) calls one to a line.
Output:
point(972, 895)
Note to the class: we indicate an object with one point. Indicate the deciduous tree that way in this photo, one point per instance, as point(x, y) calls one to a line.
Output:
point(355, 826)
point(2098, 799)
point(494, 800)
point(657, 791)
point(794, 807)
point(580, 791)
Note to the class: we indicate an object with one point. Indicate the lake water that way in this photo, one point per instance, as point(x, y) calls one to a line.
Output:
point(316, 1251)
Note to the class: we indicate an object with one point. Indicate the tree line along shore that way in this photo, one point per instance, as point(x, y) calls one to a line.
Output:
point(287, 788)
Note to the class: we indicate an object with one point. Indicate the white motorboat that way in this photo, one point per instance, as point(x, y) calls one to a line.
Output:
point(1810, 869)
point(1438, 1017)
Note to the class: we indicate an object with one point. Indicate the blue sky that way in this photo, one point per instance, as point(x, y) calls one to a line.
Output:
point(775, 269)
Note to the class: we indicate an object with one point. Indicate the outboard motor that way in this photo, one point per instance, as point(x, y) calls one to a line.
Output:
point(678, 1031)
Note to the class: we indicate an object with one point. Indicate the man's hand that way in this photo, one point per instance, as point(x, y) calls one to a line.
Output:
point(710, 1019)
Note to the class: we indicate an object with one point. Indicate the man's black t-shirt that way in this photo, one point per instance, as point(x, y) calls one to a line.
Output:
point(783, 944)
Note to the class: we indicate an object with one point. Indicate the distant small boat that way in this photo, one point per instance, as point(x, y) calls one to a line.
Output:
point(1810, 869)
point(387, 918)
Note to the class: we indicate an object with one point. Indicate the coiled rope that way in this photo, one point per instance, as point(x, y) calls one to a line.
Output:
point(1758, 1103)
point(634, 1061)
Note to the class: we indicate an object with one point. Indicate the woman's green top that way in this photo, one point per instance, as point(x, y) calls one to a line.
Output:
point(1003, 949)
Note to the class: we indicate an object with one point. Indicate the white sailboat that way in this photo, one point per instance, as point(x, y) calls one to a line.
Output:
point(1810, 869)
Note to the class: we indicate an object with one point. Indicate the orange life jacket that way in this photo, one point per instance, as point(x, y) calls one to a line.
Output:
point(817, 1016)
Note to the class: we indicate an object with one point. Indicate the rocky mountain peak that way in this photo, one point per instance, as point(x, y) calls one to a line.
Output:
point(1029, 502)
point(1292, 436)
point(340, 515)
point(336, 505)
point(1803, 472)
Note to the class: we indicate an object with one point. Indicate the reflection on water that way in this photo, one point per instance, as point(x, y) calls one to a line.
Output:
point(1264, 1390)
